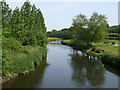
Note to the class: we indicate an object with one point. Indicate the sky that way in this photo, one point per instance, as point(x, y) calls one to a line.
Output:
point(59, 15)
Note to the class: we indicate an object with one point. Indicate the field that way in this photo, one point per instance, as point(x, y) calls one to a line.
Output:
point(108, 47)
point(53, 39)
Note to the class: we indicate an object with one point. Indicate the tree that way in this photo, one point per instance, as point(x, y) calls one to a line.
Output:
point(86, 31)
point(80, 29)
point(16, 23)
point(6, 14)
point(25, 24)
point(97, 27)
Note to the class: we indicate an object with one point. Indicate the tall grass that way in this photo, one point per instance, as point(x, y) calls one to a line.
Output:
point(23, 61)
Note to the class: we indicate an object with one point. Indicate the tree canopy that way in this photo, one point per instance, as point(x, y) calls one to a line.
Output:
point(89, 30)
point(25, 24)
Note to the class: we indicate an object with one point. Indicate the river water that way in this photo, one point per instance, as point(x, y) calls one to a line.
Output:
point(67, 68)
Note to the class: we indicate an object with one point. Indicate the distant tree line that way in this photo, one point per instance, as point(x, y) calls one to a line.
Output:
point(64, 33)
point(25, 24)
point(114, 29)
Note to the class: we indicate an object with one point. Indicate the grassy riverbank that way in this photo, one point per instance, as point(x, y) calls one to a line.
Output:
point(107, 52)
point(22, 61)
point(53, 39)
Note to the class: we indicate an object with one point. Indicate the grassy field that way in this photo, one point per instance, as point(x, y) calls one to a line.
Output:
point(53, 39)
point(108, 47)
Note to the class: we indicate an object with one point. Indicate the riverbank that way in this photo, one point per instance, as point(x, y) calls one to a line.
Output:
point(23, 61)
point(107, 53)
point(53, 39)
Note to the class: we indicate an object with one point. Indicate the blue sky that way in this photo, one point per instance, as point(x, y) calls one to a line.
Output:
point(59, 15)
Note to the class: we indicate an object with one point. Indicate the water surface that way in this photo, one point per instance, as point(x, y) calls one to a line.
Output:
point(67, 68)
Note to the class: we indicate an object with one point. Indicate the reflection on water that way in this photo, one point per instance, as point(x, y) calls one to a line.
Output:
point(86, 71)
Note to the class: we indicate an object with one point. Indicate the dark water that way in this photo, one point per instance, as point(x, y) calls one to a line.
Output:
point(67, 68)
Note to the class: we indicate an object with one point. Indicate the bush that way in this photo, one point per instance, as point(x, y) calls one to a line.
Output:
point(111, 60)
point(113, 43)
point(4, 53)
point(67, 42)
point(11, 43)
point(6, 32)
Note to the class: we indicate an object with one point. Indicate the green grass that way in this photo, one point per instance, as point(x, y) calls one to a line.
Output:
point(114, 34)
point(111, 55)
point(108, 47)
point(113, 37)
point(67, 42)
point(53, 39)
point(22, 61)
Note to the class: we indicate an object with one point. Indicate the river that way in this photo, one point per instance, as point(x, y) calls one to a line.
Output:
point(67, 68)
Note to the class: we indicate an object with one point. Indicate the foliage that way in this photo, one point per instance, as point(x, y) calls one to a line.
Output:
point(64, 33)
point(23, 30)
point(67, 42)
point(87, 31)
point(25, 24)
point(11, 43)
point(111, 60)
point(6, 14)
point(20, 62)
point(114, 29)
point(80, 31)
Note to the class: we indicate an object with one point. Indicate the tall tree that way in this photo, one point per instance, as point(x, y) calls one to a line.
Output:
point(6, 14)
point(25, 24)
point(98, 27)
point(87, 31)
point(16, 23)
point(80, 31)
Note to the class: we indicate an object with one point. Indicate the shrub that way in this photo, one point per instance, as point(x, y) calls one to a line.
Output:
point(11, 43)
point(111, 60)
point(66, 42)
point(113, 43)
point(4, 53)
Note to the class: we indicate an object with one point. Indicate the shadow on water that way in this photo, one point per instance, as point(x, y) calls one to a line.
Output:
point(86, 70)
point(113, 70)
point(29, 80)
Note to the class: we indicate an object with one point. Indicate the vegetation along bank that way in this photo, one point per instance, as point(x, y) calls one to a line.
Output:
point(24, 39)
